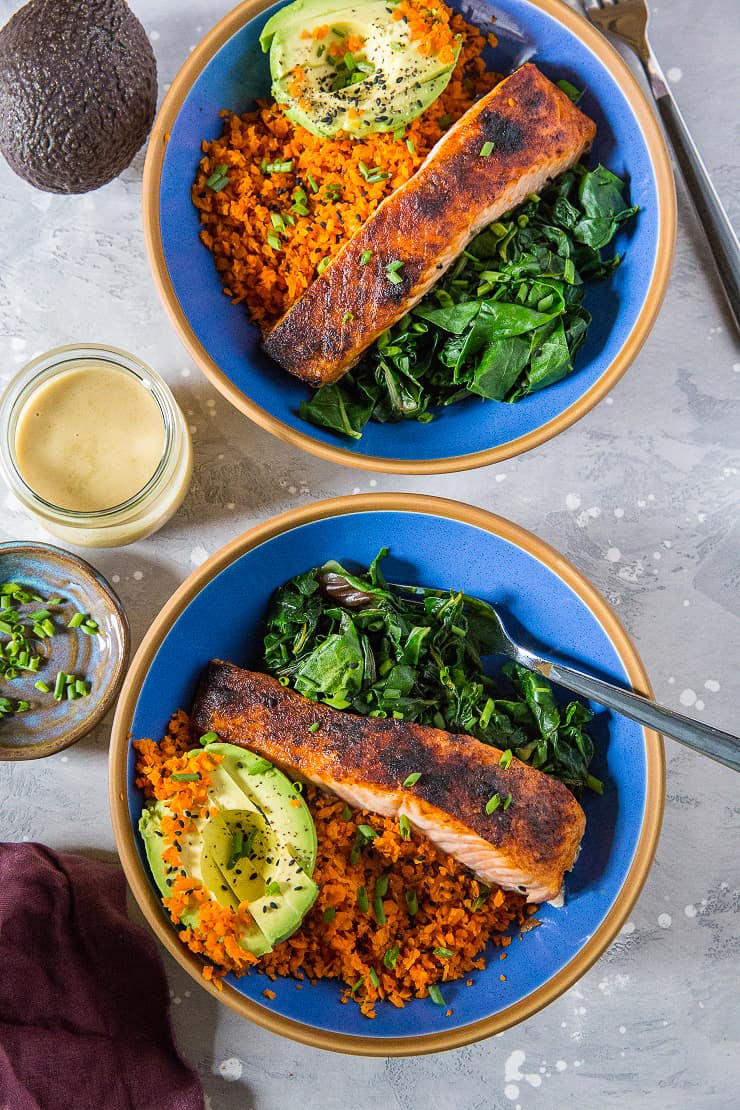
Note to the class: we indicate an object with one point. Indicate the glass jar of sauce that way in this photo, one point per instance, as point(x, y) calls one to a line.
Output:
point(94, 446)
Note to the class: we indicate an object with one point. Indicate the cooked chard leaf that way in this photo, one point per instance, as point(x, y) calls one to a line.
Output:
point(345, 639)
point(522, 278)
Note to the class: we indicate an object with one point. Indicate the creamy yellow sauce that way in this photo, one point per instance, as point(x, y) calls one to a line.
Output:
point(90, 438)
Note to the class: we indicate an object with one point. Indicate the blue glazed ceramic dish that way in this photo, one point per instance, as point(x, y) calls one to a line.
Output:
point(228, 70)
point(219, 611)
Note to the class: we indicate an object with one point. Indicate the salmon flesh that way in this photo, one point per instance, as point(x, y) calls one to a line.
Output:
point(526, 846)
point(509, 144)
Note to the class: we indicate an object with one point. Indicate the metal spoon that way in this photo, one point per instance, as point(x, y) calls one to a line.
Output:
point(495, 640)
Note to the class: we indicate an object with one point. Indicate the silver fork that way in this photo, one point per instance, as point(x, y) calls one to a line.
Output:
point(496, 640)
point(627, 20)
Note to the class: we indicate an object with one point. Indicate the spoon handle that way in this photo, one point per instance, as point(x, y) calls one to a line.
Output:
point(702, 738)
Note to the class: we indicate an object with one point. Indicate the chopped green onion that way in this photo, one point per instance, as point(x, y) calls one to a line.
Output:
point(493, 803)
point(445, 120)
point(328, 915)
point(443, 953)
point(279, 167)
point(41, 685)
point(412, 903)
point(237, 847)
point(358, 984)
point(186, 776)
point(404, 826)
point(570, 91)
point(260, 766)
point(312, 182)
point(379, 910)
point(323, 264)
point(76, 620)
point(412, 779)
point(506, 759)
point(507, 801)
point(436, 995)
point(410, 146)
point(595, 784)
point(59, 686)
point(48, 627)
point(394, 267)
point(273, 241)
point(362, 899)
point(373, 975)
point(365, 257)
point(218, 179)
point(348, 316)
point(209, 738)
point(272, 888)
point(487, 713)
point(381, 886)
point(277, 221)
point(81, 688)
point(390, 957)
point(367, 831)
point(314, 727)
point(347, 813)
point(298, 787)
point(486, 150)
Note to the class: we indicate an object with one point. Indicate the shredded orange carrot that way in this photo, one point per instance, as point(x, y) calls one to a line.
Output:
point(337, 939)
point(236, 220)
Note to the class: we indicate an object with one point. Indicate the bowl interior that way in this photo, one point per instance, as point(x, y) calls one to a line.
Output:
point(238, 73)
point(224, 620)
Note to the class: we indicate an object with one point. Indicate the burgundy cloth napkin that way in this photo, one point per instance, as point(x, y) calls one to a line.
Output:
point(84, 1002)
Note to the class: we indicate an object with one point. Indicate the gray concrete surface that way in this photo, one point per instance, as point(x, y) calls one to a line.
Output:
point(642, 494)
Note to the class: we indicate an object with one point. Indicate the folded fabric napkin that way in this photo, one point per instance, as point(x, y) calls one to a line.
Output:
point(84, 1002)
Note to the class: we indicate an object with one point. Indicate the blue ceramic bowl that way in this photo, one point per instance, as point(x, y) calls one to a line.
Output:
point(219, 611)
point(228, 70)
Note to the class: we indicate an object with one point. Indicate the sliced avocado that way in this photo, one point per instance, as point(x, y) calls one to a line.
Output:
point(381, 85)
point(253, 939)
point(78, 91)
point(258, 848)
point(271, 793)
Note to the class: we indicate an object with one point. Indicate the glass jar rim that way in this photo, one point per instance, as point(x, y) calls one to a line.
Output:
point(45, 367)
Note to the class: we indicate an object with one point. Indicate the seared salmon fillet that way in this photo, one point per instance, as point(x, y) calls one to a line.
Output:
point(527, 846)
point(509, 144)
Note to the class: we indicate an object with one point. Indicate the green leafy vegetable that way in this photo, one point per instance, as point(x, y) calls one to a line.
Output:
point(505, 321)
point(346, 640)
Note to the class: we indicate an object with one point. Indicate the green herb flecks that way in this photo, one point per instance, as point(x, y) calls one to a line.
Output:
point(506, 320)
point(219, 179)
point(436, 995)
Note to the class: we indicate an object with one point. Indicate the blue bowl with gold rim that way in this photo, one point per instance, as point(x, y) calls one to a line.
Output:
point(218, 613)
point(228, 70)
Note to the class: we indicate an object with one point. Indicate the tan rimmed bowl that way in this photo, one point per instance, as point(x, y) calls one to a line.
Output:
point(227, 69)
point(218, 612)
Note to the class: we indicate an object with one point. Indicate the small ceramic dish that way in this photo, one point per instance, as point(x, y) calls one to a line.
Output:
point(228, 70)
point(50, 726)
point(219, 612)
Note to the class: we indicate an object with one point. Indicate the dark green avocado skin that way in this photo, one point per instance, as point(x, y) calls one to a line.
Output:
point(78, 92)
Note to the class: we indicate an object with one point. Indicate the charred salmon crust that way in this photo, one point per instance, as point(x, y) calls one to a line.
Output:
point(526, 847)
point(536, 132)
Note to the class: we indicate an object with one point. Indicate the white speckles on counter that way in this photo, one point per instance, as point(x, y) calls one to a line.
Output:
point(573, 501)
point(230, 1070)
point(674, 74)
point(665, 920)
point(612, 555)
point(687, 697)
point(198, 556)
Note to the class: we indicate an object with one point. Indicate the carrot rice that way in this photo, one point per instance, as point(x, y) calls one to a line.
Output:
point(373, 942)
point(311, 209)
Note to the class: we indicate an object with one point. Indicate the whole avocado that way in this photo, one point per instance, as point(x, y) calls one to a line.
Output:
point(78, 92)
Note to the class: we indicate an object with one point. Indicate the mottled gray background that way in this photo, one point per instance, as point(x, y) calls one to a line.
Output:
point(642, 495)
